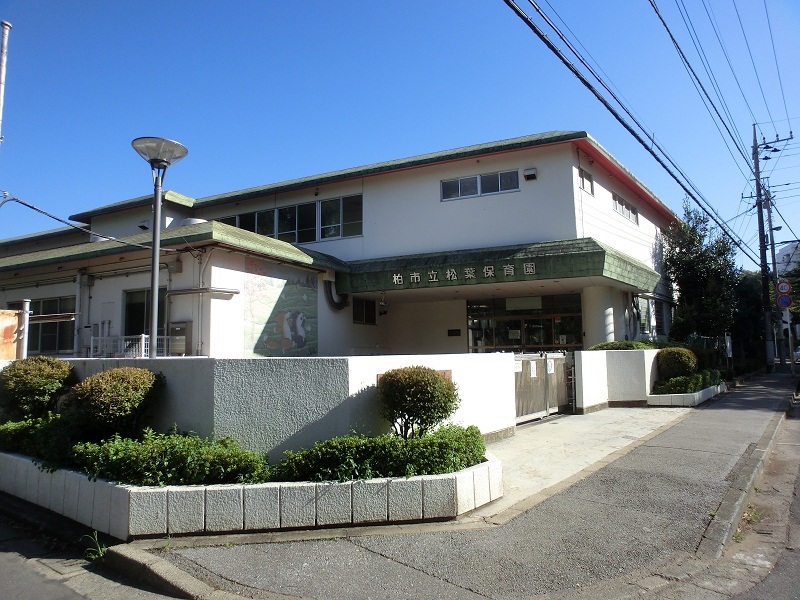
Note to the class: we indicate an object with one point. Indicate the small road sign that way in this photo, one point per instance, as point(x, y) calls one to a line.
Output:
point(783, 287)
point(784, 301)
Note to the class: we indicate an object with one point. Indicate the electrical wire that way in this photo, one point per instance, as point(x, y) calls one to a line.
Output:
point(682, 183)
point(8, 198)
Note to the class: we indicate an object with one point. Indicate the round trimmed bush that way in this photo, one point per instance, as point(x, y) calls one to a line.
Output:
point(416, 399)
point(118, 398)
point(29, 388)
point(676, 362)
point(624, 345)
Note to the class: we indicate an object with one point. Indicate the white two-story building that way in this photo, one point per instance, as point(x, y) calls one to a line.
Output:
point(537, 243)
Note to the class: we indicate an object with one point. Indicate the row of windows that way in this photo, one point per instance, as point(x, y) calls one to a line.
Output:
point(50, 338)
point(308, 222)
point(480, 185)
point(626, 209)
point(622, 206)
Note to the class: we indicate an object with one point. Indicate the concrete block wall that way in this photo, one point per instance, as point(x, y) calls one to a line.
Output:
point(126, 512)
point(316, 398)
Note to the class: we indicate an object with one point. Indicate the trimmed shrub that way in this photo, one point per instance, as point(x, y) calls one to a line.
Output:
point(116, 400)
point(624, 345)
point(48, 439)
point(448, 449)
point(708, 358)
point(30, 387)
point(416, 399)
point(676, 362)
point(171, 459)
point(687, 384)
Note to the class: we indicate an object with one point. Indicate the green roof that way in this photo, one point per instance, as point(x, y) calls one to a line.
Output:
point(168, 196)
point(563, 259)
point(518, 143)
point(205, 233)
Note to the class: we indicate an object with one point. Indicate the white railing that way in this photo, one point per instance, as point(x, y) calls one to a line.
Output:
point(126, 346)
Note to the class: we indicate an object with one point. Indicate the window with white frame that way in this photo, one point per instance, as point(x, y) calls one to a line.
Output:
point(307, 222)
point(480, 185)
point(625, 208)
point(586, 181)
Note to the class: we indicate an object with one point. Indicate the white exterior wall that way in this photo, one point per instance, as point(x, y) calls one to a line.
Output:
point(226, 314)
point(403, 212)
point(597, 306)
point(421, 328)
point(124, 223)
point(597, 218)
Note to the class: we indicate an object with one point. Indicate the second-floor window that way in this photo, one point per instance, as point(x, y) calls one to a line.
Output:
point(307, 222)
point(587, 181)
point(480, 185)
point(626, 209)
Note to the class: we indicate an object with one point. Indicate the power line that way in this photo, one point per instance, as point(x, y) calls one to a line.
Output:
point(683, 184)
point(9, 198)
point(747, 44)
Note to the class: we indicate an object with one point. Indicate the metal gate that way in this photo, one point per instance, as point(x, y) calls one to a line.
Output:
point(544, 384)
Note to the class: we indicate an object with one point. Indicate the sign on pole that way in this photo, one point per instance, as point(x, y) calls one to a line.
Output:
point(783, 287)
point(784, 301)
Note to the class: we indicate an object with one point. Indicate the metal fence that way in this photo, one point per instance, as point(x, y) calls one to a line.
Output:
point(127, 346)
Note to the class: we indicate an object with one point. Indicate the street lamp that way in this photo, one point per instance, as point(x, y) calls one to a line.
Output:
point(160, 154)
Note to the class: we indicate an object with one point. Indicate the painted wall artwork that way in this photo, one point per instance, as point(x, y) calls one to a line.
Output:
point(280, 311)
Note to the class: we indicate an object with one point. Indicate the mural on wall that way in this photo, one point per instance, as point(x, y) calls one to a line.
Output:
point(280, 311)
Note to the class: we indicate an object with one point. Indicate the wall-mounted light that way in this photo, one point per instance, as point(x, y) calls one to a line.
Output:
point(529, 174)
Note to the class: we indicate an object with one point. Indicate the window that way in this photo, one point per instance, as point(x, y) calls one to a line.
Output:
point(307, 222)
point(480, 185)
point(364, 311)
point(626, 209)
point(587, 182)
point(137, 312)
point(55, 337)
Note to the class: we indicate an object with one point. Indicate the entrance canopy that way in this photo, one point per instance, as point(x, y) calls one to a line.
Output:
point(584, 258)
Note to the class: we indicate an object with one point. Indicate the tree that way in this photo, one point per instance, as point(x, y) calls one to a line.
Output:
point(699, 261)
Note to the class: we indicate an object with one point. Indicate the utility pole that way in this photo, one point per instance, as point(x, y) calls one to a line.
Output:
point(778, 309)
point(769, 339)
point(6, 27)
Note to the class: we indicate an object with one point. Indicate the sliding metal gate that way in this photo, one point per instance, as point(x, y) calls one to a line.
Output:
point(544, 385)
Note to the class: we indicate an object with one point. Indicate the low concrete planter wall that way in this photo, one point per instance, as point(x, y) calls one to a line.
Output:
point(686, 399)
point(126, 511)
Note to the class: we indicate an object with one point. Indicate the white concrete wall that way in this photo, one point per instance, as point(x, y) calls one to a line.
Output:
point(485, 384)
point(276, 404)
point(614, 375)
point(591, 381)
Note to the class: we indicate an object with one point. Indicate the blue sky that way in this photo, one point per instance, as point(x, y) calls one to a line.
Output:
point(264, 91)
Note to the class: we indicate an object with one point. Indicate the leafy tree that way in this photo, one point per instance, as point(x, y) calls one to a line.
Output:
point(699, 261)
point(747, 329)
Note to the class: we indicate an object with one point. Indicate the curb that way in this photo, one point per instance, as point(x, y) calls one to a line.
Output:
point(730, 511)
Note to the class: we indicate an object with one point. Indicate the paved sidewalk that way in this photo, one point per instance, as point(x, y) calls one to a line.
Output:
point(614, 504)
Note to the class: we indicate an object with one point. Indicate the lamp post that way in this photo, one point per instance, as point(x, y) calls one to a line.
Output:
point(160, 154)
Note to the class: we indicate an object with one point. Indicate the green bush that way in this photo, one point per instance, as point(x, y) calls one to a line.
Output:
point(171, 459)
point(30, 387)
point(416, 399)
point(708, 358)
point(676, 362)
point(47, 439)
point(624, 345)
point(448, 449)
point(117, 399)
point(686, 384)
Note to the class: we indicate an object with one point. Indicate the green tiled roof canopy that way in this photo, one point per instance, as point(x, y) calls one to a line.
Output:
point(547, 260)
